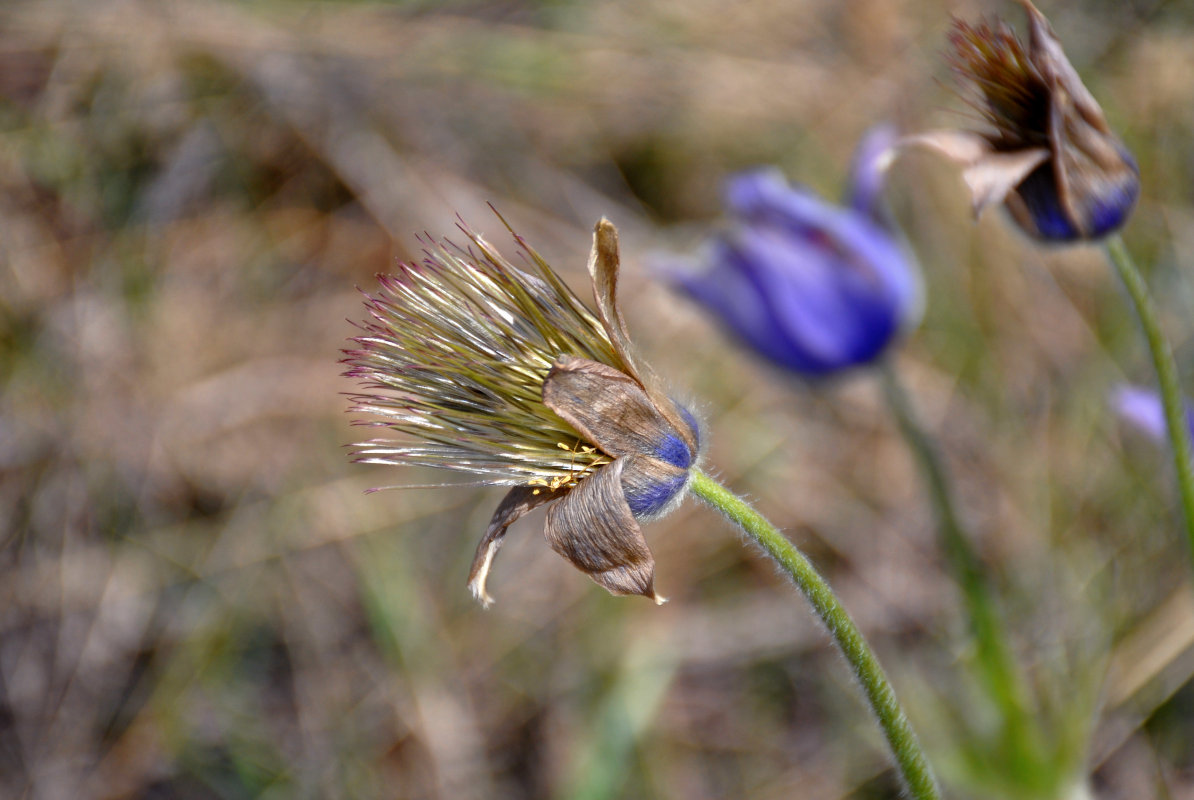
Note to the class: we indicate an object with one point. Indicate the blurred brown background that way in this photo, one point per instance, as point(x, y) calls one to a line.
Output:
point(198, 601)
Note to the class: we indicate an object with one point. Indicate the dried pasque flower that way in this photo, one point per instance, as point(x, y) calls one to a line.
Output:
point(814, 287)
point(485, 368)
point(1049, 156)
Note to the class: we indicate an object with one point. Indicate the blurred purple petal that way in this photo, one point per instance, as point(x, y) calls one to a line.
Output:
point(855, 241)
point(816, 288)
point(1141, 409)
point(869, 170)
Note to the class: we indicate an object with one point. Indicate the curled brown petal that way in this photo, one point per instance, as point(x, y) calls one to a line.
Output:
point(1051, 62)
point(517, 502)
point(593, 528)
point(994, 177)
point(1089, 163)
point(604, 263)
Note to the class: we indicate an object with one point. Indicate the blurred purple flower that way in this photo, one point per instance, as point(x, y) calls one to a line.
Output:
point(817, 288)
point(1141, 409)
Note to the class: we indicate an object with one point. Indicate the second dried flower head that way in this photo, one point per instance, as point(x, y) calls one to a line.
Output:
point(1049, 155)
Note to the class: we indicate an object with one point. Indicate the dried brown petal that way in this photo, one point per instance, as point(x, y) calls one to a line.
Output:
point(604, 263)
point(1050, 60)
point(990, 176)
point(518, 501)
point(593, 528)
point(1091, 169)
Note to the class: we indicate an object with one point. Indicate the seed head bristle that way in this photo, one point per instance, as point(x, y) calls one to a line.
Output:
point(1012, 95)
point(455, 355)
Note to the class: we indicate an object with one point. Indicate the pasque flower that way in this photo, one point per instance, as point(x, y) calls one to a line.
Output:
point(814, 287)
point(486, 368)
point(1049, 155)
point(483, 367)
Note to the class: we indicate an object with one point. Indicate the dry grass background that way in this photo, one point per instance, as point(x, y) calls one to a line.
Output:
point(197, 600)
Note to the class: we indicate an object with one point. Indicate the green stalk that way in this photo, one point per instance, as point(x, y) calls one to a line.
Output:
point(1171, 395)
point(910, 760)
point(998, 668)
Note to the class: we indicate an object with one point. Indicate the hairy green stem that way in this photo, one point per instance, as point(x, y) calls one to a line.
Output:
point(1171, 394)
point(913, 767)
point(997, 667)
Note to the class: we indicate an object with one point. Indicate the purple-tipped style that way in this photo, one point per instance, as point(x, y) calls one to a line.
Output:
point(816, 288)
point(1141, 409)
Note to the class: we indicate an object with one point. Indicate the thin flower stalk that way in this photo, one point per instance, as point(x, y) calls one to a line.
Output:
point(1167, 380)
point(998, 668)
point(914, 770)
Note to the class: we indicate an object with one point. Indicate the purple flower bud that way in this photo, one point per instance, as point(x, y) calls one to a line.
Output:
point(814, 287)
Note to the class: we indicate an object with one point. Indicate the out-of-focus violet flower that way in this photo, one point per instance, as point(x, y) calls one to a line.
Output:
point(814, 287)
point(1141, 409)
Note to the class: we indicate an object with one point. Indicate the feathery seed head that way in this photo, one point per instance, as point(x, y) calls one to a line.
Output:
point(480, 366)
point(455, 357)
